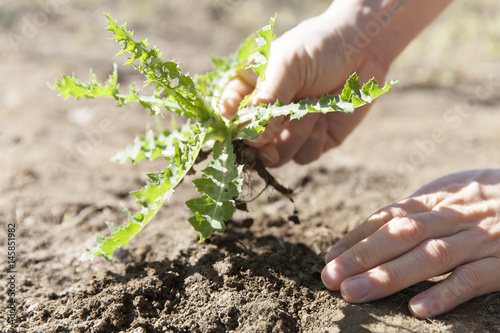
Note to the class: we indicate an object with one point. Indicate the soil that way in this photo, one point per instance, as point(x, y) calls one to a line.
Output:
point(263, 274)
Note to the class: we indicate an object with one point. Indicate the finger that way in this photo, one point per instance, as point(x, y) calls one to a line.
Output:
point(313, 147)
point(465, 282)
point(264, 144)
point(373, 223)
point(281, 83)
point(249, 76)
point(233, 94)
point(293, 136)
point(340, 125)
point(268, 136)
point(268, 155)
point(431, 258)
point(402, 233)
point(282, 139)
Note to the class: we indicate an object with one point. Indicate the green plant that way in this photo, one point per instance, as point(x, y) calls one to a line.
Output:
point(204, 132)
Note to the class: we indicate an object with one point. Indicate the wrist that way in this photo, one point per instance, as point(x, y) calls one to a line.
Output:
point(381, 29)
point(358, 26)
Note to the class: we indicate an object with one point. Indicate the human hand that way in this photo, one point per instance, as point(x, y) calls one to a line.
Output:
point(308, 61)
point(451, 224)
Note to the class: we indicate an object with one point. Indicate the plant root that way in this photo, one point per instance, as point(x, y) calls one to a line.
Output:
point(247, 156)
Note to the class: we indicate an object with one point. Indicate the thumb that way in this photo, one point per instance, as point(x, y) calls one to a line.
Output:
point(234, 92)
point(280, 83)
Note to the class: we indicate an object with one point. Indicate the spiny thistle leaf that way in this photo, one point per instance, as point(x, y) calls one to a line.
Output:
point(252, 53)
point(165, 76)
point(219, 187)
point(353, 96)
point(211, 84)
point(260, 57)
point(148, 146)
point(151, 146)
point(154, 194)
point(266, 36)
point(220, 183)
point(72, 86)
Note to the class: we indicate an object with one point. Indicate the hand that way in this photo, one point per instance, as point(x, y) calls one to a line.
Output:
point(308, 61)
point(451, 224)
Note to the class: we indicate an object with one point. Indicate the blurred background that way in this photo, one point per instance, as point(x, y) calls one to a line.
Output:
point(55, 153)
point(58, 185)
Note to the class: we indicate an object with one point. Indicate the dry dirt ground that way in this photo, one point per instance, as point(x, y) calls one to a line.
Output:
point(58, 186)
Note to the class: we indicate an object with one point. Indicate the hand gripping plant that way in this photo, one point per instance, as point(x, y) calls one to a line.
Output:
point(205, 131)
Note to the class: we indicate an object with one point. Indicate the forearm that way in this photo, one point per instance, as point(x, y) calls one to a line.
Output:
point(383, 28)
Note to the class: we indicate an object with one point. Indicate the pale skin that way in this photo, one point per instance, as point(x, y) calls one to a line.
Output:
point(449, 225)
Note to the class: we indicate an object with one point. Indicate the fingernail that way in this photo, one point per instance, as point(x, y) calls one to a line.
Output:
point(331, 276)
point(232, 104)
point(266, 160)
point(426, 308)
point(228, 108)
point(257, 98)
point(333, 254)
point(355, 290)
point(262, 97)
point(420, 308)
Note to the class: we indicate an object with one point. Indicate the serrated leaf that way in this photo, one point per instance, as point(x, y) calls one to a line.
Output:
point(219, 186)
point(260, 57)
point(266, 36)
point(245, 50)
point(151, 146)
point(211, 84)
point(72, 86)
point(165, 76)
point(254, 119)
point(197, 99)
point(154, 194)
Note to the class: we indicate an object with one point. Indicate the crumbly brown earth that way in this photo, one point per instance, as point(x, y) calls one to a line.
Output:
point(58, 187)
